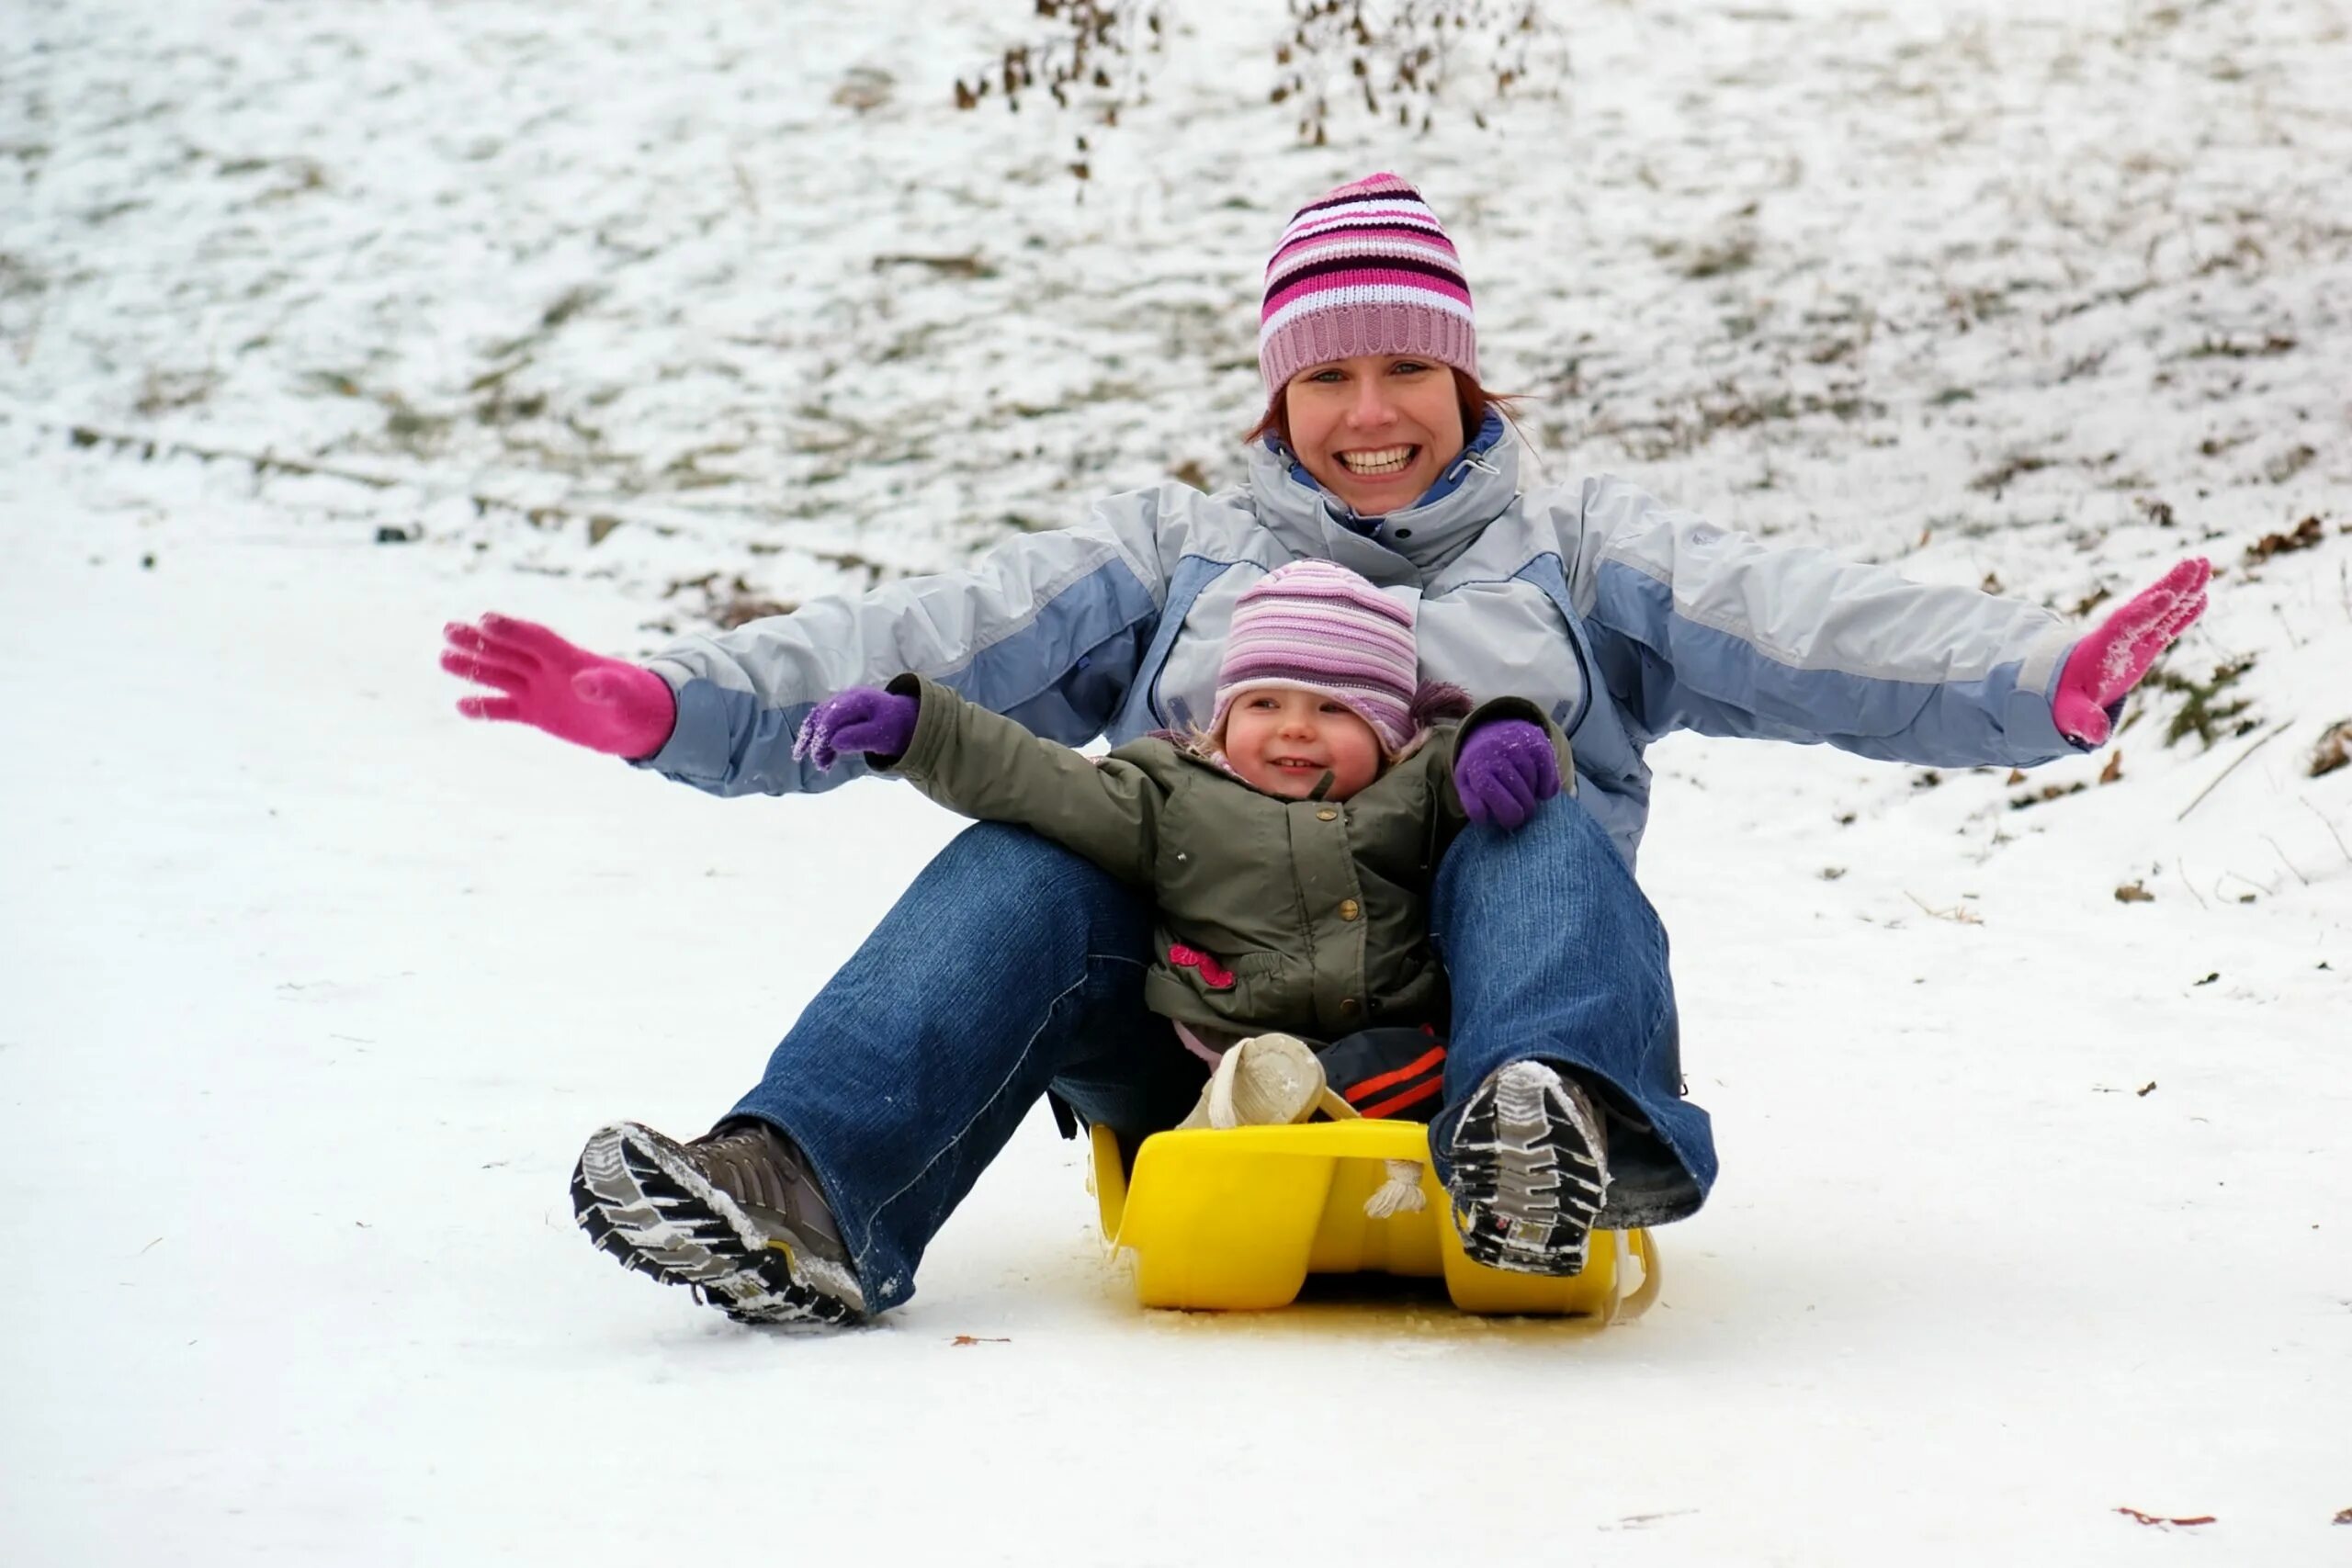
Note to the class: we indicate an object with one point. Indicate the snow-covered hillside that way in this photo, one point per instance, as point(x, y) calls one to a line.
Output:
point(320, 324)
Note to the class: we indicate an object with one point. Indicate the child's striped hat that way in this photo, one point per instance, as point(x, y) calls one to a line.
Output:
point(1315, 625)
point(1363, 268)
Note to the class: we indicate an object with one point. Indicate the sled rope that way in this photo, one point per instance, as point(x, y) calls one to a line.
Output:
point(1400, 1194)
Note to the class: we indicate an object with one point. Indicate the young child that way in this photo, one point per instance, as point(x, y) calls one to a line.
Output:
point(1289, 847)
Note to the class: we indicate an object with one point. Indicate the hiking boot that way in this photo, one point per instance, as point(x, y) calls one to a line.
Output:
point(1531, 1170)
point(735, 1216)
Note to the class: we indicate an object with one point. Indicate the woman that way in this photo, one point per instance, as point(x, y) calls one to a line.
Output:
point(1621, 618)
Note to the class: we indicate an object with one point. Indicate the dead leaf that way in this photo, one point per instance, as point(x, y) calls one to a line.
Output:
point(2163, 1519)
point(2113, 770)
point(977, 1339)
point(2132, 893)
point(2343, 1516)
point(2145, 1090)
point(2017, 777)
point(2048, 792)
point(2210, 979)
point(2334, 750)
point(2306, 534)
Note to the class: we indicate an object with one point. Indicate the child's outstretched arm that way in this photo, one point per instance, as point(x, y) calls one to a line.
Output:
point(984, 765)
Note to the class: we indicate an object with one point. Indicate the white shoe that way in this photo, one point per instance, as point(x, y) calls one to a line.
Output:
point(1267, 1080)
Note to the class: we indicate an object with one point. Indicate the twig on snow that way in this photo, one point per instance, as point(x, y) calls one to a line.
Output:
point(1956, 914)
point(2282, 727)
point(2283, 859)
point(2326, 824)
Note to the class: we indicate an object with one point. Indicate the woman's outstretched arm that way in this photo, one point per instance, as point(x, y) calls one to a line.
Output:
point(1049, 628)
point(1705, 630)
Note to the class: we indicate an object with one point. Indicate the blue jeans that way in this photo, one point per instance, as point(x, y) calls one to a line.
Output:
point(1011, 967)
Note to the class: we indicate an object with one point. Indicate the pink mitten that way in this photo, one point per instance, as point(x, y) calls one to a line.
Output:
point(2109, 662)
point(621, 709)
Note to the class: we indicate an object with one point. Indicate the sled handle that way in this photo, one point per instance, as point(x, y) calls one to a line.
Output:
point(1632, 1306)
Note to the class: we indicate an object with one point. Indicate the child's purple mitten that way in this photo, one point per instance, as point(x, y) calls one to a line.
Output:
point(1504, 770)
point(863, 719)
point(2109, 662)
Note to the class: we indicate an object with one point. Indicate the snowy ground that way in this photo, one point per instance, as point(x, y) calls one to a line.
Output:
point(2035, 1202)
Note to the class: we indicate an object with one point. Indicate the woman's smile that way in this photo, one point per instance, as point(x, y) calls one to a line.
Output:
point(1376, 430)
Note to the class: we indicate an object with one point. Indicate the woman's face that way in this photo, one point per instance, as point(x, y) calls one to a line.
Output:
point(1377, 430)
point(1283, 738)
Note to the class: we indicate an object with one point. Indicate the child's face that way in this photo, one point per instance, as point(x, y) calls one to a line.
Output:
point(1282, 739)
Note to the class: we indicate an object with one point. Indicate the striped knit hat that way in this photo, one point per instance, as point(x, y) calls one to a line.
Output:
point(1315, 624)
point(1363, 268)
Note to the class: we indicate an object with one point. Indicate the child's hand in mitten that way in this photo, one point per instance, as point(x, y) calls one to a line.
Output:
point(2108, 663)
point(860, 720)
point(1504, 770)
point(620, 709)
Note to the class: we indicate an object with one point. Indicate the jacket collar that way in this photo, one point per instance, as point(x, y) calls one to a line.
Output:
point(1404, 547)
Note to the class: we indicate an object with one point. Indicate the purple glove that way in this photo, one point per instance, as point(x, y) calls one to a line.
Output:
point(860, 720)
point(2109, 662)
point(1504, 770)
point(623, 710)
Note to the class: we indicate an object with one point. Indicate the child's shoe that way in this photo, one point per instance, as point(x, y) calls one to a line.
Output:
point(734, 1216)
point(1267, 1080)
point(1531, 1170)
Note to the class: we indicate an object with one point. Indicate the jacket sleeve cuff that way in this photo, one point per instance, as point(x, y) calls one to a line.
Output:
point(935, 719)
point(701, 746)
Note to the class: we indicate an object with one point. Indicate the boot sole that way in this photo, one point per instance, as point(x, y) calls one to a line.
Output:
point(643, 1201)
point(1526, 1182)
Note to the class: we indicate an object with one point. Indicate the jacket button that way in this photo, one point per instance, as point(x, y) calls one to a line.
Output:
point(1350, 909)
point(1347, 1004)
point(1327, 815)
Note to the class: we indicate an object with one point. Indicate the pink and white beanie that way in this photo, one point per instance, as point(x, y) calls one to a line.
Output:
point(1315, 625)
point(1363, 268)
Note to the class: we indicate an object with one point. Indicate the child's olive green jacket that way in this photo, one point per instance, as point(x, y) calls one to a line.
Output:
point(1308, 916)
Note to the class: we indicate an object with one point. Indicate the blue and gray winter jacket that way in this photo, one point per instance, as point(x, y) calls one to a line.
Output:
point(1621, 617)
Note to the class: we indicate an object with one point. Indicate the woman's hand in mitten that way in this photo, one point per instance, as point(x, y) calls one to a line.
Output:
point(860, 720)
point(623, 710)
point(2109, 662)
point(1504, 770)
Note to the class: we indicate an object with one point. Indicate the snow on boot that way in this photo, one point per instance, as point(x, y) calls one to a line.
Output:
point(734, 1216)
point(1531, 1170)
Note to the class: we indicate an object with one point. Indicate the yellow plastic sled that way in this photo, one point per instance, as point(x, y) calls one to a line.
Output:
point(1236, 1220)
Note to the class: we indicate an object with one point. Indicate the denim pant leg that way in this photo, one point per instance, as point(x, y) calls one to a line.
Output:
point(1554, 953)
point(1009, 963)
